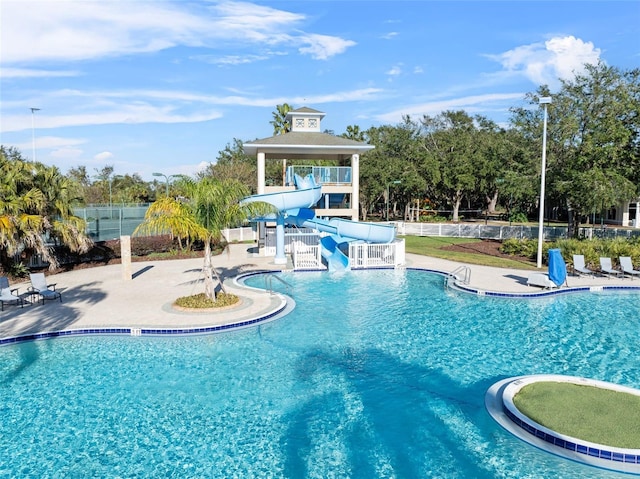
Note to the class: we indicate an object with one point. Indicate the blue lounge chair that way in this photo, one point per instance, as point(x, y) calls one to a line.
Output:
point(40, 287)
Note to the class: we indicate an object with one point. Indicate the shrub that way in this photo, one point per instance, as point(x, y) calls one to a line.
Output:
point(17, 270)
point(518, 217)
point(525, 247)
point(200, 301)
point(433, 219)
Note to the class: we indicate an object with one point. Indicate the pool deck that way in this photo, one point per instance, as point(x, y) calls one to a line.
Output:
point(101, 298)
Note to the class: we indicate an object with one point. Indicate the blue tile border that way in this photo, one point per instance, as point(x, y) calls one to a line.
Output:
point(579, 448)
point(262, 319)
point(537, 294)
point(144, 331)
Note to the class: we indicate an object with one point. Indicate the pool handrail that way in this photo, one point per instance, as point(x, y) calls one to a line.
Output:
point(268, 281)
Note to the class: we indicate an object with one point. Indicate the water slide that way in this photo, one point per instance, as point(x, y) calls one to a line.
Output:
point(294, 209)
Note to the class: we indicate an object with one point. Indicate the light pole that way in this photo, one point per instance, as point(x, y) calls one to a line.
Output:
point(166, 178)
point(545, 100)
point(33, 131)
point(395, 182)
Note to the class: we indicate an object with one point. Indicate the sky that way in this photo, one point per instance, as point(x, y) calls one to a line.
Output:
point(162, 86)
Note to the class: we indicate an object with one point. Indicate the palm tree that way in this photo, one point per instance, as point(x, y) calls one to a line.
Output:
point(281, 126)
point(36, 203)
point(279, 122)
point(211, 206)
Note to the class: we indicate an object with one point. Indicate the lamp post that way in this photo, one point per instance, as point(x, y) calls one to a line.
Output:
point(166, 179)
point(545, 100)
point(33, 131)
point(395, 182)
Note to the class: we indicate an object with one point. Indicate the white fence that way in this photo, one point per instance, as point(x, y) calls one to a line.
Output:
point(365, 255)
point(246, 233)
point(306, 257)
point(473, 230)
point(361, 255)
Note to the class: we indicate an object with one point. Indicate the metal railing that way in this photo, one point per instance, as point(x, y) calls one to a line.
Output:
point(268, 282)
point(463, 270)
point(334, 175)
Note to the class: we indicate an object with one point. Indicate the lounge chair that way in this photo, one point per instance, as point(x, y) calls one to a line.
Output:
point(627, 266)
point(542, 280)
point(579, 266)
point(606, 268)
point(8, 294)
point(40, 287)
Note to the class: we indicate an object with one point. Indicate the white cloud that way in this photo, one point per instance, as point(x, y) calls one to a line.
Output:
point(389, 35)
point(34, 73)
point(321, 47)
point(395, 70)
point(545, 63)
point(66, 30)
point(105, 155)
point(50, 143)
point(418, 70)
point(151, 106)
point(231, 59)
point(471, 104)
point(66, 153)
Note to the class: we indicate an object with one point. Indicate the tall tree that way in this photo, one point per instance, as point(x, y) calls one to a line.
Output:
point(594, 132)
point(399, 159)
point(211, 205)
point(233, 164)
point(280, 123)
point(281, 126)
point(353, 132)
point(35, 203)
point(452, 140)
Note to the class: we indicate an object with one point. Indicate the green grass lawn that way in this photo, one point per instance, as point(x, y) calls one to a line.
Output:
point(432, 246)
point(585, 412)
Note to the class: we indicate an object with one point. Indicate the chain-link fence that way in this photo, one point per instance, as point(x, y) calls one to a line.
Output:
point(111, 222)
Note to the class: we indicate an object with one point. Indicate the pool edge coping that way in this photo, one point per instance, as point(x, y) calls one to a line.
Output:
point(495, 406)
point(286, 305)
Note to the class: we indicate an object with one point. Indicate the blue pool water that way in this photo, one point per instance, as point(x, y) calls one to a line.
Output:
point(375, 374)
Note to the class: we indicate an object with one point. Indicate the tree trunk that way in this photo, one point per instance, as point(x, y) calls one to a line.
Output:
point(456, 205)
point(574, 221)
point(492, 202)
point(207, 271)
point(363, 210)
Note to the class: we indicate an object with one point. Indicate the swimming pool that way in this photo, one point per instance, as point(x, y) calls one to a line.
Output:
point(374, 374)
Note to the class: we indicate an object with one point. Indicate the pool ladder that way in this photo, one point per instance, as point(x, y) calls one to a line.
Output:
point(268, 281)
point(461, 273)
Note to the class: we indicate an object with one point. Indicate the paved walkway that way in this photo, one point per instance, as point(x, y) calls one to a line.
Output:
point(100, 298)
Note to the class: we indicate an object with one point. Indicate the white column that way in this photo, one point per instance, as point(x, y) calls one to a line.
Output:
point(622, 214)
point(638, 213)
point(261, 172)
point(125, 257)
point(280, 258)
point(355, 186)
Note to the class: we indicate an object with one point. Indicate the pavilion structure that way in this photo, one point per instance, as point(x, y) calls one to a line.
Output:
point(339, 177)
